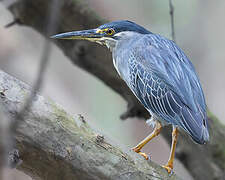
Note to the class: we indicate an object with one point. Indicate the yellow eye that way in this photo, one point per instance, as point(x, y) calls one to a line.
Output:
point(110, 32)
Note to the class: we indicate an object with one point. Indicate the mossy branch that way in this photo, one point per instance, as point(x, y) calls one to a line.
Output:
point(56, 145)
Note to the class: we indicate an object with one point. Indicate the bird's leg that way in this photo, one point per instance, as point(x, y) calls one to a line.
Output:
point(155, 133)
point(169, 166)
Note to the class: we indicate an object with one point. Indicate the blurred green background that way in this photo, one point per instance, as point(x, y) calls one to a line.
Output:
point(199, 28)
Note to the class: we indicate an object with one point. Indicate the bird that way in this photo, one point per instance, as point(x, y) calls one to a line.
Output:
point(159, 74)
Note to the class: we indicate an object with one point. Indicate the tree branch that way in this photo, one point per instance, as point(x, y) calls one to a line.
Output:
point(55, 145)
point(93, 58)
point(172, 20)
point(203, 162)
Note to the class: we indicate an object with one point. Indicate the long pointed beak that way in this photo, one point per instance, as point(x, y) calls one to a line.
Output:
point(90, 35)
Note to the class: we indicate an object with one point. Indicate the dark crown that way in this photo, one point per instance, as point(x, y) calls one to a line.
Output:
point(120, 26)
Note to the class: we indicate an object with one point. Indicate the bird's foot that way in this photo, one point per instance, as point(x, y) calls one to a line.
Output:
point(135, 149)
point(169, 169)
point(144, 155)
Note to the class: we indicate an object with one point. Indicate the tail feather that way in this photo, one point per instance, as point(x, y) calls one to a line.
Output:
point(196, 125)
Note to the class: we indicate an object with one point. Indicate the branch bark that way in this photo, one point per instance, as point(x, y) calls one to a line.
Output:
point(56, 145)
point(203, 162)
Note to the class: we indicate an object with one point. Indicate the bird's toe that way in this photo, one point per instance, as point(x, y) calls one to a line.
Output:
point(147, 157)
point(137, 150)
point(169, 169)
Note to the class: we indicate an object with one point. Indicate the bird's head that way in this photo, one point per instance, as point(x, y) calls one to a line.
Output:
point(106, 34)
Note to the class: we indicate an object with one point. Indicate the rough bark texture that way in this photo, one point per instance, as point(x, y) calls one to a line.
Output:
point(203, 162)
point(55, 145)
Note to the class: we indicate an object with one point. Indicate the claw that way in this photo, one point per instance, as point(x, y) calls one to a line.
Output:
point(169, 169)
point(141, 153)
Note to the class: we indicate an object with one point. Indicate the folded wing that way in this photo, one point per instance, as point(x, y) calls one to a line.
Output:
point(165, 81)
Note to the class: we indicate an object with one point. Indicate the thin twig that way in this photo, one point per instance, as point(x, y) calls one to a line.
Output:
point(52, 24)
point(172, 19)
point(14, 22)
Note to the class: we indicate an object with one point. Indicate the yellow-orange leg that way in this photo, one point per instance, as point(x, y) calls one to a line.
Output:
point(155, 133)
point(169, 166)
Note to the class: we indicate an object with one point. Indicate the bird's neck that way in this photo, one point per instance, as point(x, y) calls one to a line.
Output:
point(121, 38)
point(122, 52)
point(111, 44)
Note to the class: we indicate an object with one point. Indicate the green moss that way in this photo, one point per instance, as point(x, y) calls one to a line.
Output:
point(212, 116)
point(217, 139)
point(74, 125)
point(61, 117)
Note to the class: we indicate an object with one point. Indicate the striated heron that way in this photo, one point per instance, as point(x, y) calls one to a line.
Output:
point(159, 74)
